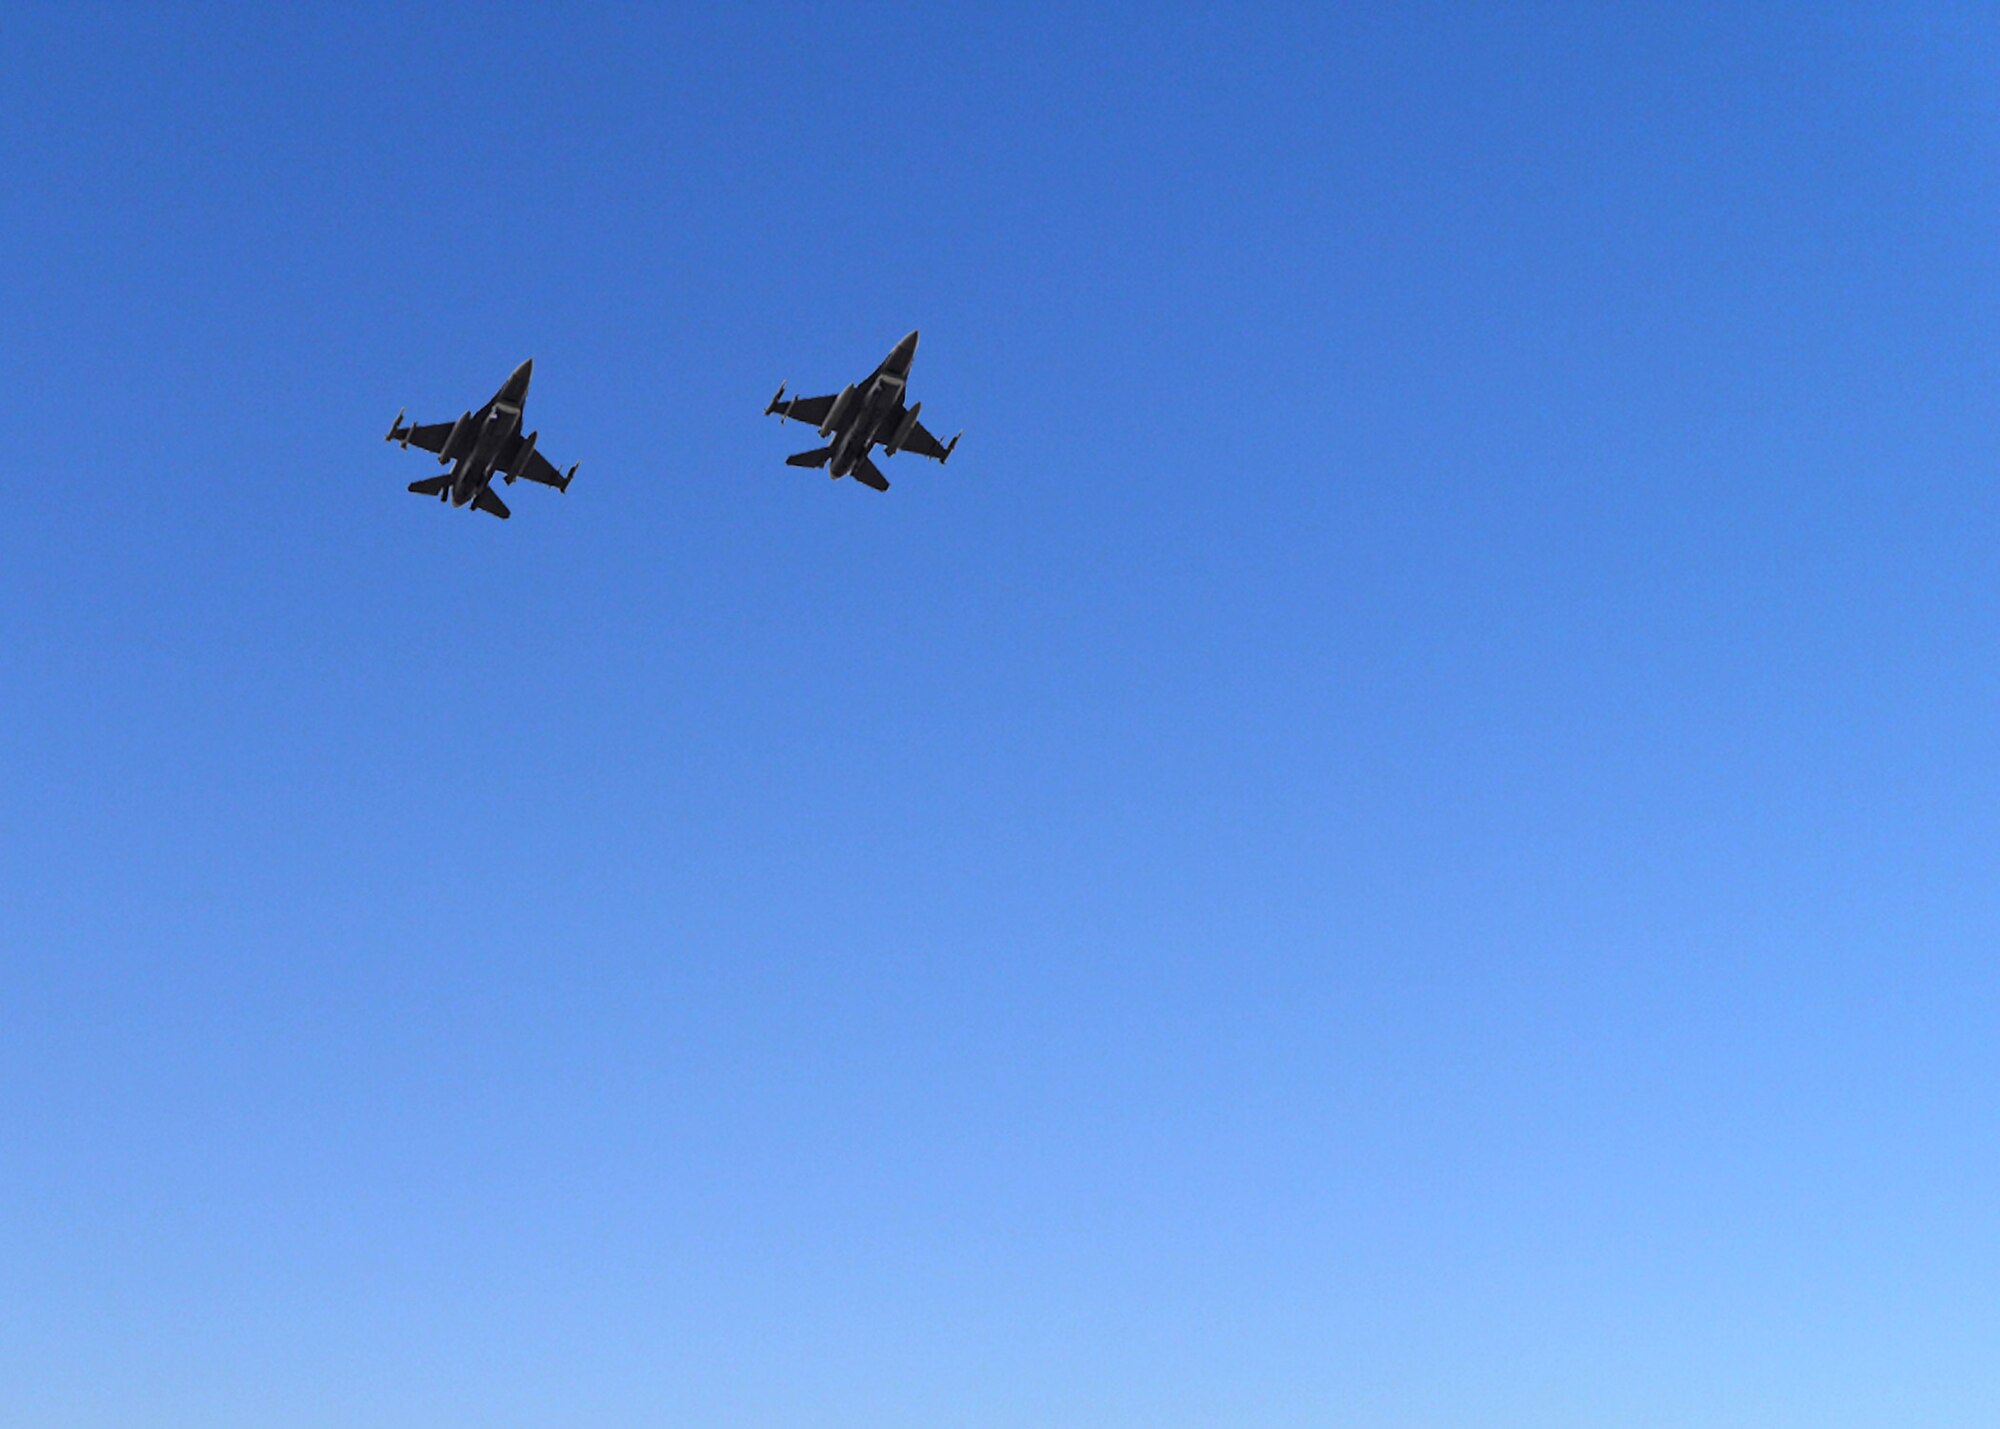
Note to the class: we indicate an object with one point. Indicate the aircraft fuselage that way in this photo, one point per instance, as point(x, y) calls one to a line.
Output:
point(477, 446)
point(477, 466)
point(875, 403)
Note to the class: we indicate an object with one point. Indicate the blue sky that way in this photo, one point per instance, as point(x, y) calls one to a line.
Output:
point(1406, 836)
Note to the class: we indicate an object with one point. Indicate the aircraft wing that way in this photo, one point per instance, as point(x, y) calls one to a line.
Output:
point(923, 443)
point(811, 410)
point(431, 438)
point(536, 468)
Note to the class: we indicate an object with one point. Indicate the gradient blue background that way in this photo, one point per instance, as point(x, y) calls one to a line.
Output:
point(1407, 836)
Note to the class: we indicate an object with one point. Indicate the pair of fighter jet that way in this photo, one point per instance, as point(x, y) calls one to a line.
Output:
point(488, 443)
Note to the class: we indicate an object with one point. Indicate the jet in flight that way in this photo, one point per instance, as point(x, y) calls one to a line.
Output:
point(480, 446)
point(861, 416)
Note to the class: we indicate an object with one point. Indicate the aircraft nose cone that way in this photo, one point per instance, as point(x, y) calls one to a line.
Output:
point(905, 350)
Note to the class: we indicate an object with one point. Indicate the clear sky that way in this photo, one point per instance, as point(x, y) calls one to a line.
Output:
point(1409, 835)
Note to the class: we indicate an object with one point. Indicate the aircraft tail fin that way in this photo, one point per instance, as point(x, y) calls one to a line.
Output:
point(488, 502)
point(434, 486)
point(812, 459)
point(868, 474)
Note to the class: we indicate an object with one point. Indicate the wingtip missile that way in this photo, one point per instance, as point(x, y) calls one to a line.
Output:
point(569, 476)
point(396, 428)
point(950, 447)
point(778, 397)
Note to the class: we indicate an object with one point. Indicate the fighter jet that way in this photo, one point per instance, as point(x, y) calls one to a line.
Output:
point(483, 444)
point(861, 416)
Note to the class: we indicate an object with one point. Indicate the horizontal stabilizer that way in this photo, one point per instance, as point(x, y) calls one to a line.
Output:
point(813, 459)
point(487, 501)
point(868, 474)
point(435, 486)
